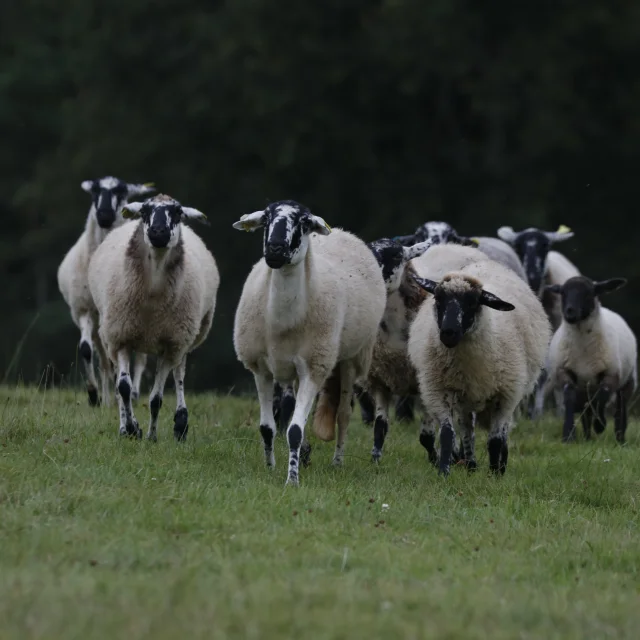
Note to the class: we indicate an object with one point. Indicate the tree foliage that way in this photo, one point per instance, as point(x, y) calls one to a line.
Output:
point(378, 115)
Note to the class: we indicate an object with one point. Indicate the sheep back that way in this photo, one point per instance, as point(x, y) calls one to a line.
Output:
point(502, 252)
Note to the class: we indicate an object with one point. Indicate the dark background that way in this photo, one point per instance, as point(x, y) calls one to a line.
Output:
point(377, 115)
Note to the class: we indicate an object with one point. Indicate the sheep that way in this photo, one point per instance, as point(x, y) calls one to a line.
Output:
point(470, 359)
point(154, 283)
point(108, 197)
point(542, 266)
point(309, 311)
point(391, 372)
point(593, 355)
point(443, 233)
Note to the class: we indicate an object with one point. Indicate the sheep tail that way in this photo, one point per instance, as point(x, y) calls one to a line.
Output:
point(324, 418)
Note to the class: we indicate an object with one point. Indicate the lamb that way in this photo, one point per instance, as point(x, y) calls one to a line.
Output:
point(391, 372)
point(470, 359)
point(154, 284)
point(309, 311)
point(108, 197)
point(592, 356)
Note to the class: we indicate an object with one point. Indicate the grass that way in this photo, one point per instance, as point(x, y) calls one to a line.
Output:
point(107, 538)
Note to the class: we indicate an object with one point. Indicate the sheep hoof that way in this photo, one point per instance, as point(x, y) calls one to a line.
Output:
point(305, 454)
point(135, 395)
point(152, 436)
point(94, 401)
point(180, 424)
point(376, 454)
point(292, 480)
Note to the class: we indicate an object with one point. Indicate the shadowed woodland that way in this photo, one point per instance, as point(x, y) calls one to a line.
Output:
point(377, 115)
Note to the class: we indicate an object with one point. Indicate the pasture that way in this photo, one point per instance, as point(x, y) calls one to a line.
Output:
point(109, 538)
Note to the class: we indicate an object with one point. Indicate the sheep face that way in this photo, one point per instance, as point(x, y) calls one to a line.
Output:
point(161, 219)
point(580, 296)
point(532, 247)
point(109, 195)
point(287, 226)
point(393, 258)
point(458, 305)
point(439, 232)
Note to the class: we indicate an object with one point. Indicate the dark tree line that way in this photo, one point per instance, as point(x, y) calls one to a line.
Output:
point(378, 115)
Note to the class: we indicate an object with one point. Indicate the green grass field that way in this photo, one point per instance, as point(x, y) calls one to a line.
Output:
point(107, 538)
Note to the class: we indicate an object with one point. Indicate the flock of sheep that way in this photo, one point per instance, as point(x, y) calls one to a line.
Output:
point(473, 329)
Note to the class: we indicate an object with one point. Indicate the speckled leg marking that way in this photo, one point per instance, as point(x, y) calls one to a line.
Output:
point(447, 443)
point(106, 372)
point(264, 387)
point(155, 397)
point(128, 423)
point(287, 407)
point(86, 352)
point(469, 441)
point(295, 433)
point(181, 417)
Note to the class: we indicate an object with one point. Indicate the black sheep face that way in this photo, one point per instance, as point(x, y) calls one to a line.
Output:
point(109, 195)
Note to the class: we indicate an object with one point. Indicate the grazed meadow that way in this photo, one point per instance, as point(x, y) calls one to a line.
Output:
point(104, 537)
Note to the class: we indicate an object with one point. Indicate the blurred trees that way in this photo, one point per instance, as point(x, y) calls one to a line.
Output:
point(377, 115)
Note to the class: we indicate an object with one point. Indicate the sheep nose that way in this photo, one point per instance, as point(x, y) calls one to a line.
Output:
point(159, 236)
point(570, 313)
point(277, 249)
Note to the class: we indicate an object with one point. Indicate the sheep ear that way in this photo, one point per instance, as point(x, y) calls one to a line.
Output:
point(406, 241)
point(250, 221)
point(465, 241)
point(563, 233)
point(140, 189)
point(131, 210)
point(607, 286)
point(554, 288)
point(194, 214)
point(417, 250)
point(318, 225)
point(425, 283)
point(87, 185)
point(493, 302)
point(507, 234)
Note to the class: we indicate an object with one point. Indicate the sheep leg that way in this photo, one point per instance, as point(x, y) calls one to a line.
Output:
point(447, 445)
point(343, 415)
point(428, 439)
point(181, 416)
point(405, 409)
point(105, 369)
point(568, 428)
point(469, 441)
point(155, 397)
point(498, 447)
point(367, 405)
point(586, 418)
point(287, 406)
point(381, 424)
point(620, 416)
point(86, 352)
point(277, 401)
point(128, 423)
point(138, 370)
point(601, 399)
point(265, 389)
point(540, 393)
point(307, 392)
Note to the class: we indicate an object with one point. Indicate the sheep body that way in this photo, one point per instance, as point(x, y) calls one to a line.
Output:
point(502, 252)
point(491, 369)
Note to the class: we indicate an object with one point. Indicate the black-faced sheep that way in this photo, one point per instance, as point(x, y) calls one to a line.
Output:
point(472, 357)
point(108, 197)
point(309, 311)
point(592, 356)
point(154, 283)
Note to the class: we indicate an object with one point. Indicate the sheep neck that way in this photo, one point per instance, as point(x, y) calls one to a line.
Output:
point(289, 294)
point(95, 233)
point(590, 325)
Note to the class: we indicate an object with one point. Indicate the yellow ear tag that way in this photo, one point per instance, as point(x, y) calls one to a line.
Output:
point(246, 226)
point(563, 229)
point(149, 184)
point(327, 226)
point(126, 214)
point(475, 241)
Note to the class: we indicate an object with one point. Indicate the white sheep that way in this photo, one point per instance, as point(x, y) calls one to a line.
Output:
point(593, 355)
point(154, 283)
point(470, 359)
point(391, 372)
point(108, 197)
point(309, 311)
